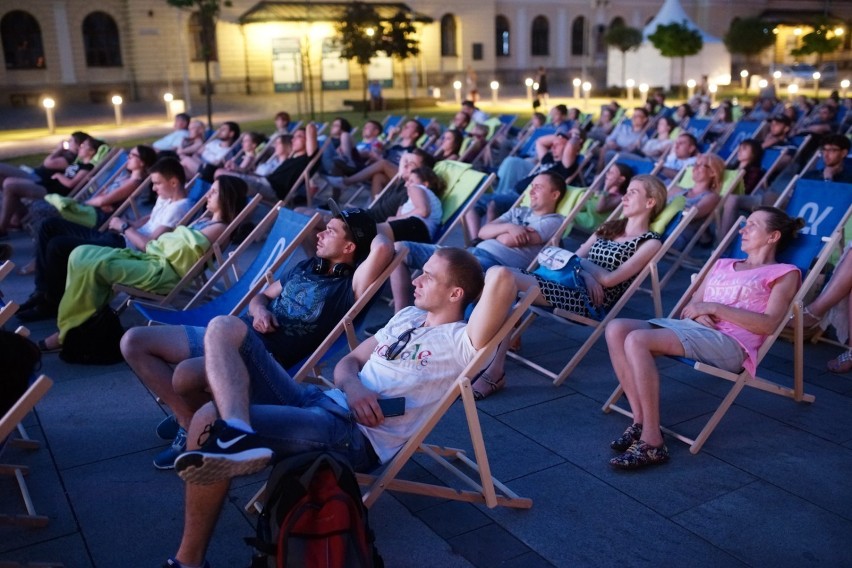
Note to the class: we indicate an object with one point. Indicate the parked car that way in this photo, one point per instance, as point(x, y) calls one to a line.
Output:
point(803, 74)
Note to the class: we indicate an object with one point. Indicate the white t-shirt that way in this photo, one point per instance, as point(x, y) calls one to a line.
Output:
point(433, 358)
point(166, 213)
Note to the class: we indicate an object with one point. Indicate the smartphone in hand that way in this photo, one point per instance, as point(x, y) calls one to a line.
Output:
point(392, 406)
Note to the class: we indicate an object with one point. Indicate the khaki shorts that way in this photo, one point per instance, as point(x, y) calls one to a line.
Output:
point(705, 344)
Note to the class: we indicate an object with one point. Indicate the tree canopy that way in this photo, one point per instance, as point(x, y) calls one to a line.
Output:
point(623, 38)
point(676, 40)
point(821, 41)
point(749, 36)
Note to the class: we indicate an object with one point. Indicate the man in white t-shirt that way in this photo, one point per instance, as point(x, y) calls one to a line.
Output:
point(418, 355)
point(173, 140)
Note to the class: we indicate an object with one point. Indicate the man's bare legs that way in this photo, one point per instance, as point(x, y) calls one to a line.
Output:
point(189, 382)
point(400, 281)
point(14, 190)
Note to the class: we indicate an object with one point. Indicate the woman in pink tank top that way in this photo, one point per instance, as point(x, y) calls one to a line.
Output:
point(738, 304)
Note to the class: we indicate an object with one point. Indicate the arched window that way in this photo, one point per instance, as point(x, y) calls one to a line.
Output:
point(501, 40)
point(578, 36)
point(21, 35)
point(540, 36)
point(100, 39)
point(448, 36)
point(197, 33)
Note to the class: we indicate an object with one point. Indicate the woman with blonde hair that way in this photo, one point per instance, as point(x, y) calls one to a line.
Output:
point(708, 175)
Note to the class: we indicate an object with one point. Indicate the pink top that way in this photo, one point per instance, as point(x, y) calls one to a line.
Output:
point(746, 290)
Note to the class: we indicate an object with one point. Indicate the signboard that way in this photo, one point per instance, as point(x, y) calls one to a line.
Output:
point(286, 64)
point(334, 71)
point(381, 69)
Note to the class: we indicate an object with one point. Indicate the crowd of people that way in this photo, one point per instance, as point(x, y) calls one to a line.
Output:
point(232, 379)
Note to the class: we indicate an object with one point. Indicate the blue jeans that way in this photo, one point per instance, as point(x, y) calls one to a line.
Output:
point(295, 417)
point(419, 253)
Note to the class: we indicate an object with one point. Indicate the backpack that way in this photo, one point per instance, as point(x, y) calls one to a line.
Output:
point(96, 341)
point(313, 517)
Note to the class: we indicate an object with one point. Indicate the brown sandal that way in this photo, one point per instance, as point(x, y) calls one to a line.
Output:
point(485, 387)
point(842, 363)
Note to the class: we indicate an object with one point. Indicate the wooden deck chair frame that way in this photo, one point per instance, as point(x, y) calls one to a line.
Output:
point(8, 424)
point(94, 173)
point(304, 179)
point(682, 257)
point(228, 268)
point(7, 309)
point(130, 202)
point(484, 184)
point(598, 327)
point(215, 250)
point(485, 489)
point(744, 378)
point(95, 185)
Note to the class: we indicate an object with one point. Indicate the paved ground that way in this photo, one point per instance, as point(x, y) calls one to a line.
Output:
point(770, 488)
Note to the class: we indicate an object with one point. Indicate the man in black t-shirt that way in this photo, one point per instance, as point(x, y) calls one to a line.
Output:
point(292, 316)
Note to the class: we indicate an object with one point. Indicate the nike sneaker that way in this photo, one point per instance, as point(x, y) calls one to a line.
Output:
point(227, 452)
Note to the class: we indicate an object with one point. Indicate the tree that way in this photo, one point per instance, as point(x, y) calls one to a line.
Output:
point(399, 41)
point(208, 13)
point(749, 36)
point(820, 41)
point(624, 39)
point(360, 37)
point(677, 40)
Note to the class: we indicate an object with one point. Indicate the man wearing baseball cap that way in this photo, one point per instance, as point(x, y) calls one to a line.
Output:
point(290, 318)
point(779, 132)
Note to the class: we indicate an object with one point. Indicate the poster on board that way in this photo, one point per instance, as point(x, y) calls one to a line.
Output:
point(381, 69)
point(335, 71)
point(286, 64)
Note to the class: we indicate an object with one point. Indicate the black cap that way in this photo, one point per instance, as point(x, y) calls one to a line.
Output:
point(782, 118)
point(360, 224)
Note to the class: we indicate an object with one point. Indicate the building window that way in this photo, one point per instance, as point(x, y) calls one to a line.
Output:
point(448, 36)
point(540, 36)
point(578, 36)
point(501, 28)
point(22, 47)
point(100, 38)
point(196, 32)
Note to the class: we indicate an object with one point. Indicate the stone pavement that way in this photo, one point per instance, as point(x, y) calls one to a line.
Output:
point(770, 488)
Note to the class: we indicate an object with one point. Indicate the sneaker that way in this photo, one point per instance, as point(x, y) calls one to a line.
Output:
point(166, 458)
point(335, 181)
point(639, 455)
point(227, 452)
point(172, 563)
point(623, 442)
point(31, 302)
point(168, 428)
point(38, 312)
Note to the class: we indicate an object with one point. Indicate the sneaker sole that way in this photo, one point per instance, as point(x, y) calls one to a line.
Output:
point(204, 469)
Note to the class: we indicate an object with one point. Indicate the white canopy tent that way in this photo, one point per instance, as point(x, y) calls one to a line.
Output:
point(646, 65)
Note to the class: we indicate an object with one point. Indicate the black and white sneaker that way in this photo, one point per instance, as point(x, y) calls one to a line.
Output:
point(227, 452)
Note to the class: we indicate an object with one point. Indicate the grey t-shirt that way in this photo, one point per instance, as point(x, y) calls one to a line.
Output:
point(521, 257)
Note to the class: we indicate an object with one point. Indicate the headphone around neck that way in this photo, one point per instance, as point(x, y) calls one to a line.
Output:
point(321, 266)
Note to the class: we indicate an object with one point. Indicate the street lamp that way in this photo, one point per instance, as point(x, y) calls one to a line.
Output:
point(576, 83)
point(370, 32)
point(587, 89)
point(529, 83)
point(116, 103)
point(792, 89)
point(643, 88)
point(494, 87)
point(744, 81)
point(844, 84)
point(48, 104)
point(713, 89)
point(690, 85)
point(168, 98)
point(630, 83)
point(775, 77)
point(762, 84)
point(457, 87)
point(816, 84)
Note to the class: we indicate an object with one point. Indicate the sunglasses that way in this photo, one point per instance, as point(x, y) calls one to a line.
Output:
point(398, 346)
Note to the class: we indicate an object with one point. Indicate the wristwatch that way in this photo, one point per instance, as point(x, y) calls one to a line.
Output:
point(123, 227)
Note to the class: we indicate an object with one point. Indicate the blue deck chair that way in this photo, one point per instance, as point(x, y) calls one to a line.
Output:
point(106, 175)
point(508, 119)
point(726, 148)
point(287, 229)
point(526, 147)
point(826, 207)
point(464, 186)
point(698, 127)
point(672, 223)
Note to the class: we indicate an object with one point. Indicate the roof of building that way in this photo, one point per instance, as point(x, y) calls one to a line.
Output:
point(673, 13)
point(320, 12)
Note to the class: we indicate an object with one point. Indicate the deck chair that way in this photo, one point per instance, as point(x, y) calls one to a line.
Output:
point(464, 186)
point(826, 209)
point(7, 309)
point(8, 424)
point(286, 231)
point(526, 145)
point(732, 183)
point(304, 179)
point(482, 489)
point(111, 168)
point(102, 157)
point(214, 253)
point(698, 127)
point(727, 146)
point(675, 221)
point(774, 160)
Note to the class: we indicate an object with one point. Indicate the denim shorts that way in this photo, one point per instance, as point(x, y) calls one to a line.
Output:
point(705, 344)
point(503, 202)
point(294, 417)
point(419, 253)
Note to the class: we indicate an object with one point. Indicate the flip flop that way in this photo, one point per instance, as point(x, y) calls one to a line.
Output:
point(841, 364)
point(45, 348)
point(485, 387)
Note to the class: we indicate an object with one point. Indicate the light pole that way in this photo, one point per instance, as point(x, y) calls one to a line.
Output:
point(168, 98)
point(643, 89)
point(630, 83)
point(713, 89)
point(744, 81)
point(457, 87)
point(690, 86)
point(529, 83)
point(48, 104)
point(792, 89)
point(494, 87)
point(844, 84)
point(575, 93)
point(587, 89)
point(776, 76)
point(816, 84)
point(116, 103)
point(762, 84)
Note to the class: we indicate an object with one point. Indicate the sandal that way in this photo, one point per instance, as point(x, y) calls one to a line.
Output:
point(45, 348)
point(485, 387)
point(842, 363)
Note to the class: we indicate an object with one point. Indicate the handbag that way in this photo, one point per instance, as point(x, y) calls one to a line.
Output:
point(563, 267)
